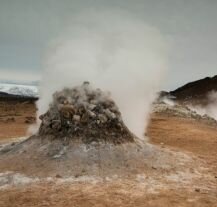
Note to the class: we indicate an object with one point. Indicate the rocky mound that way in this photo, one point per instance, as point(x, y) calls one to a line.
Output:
point(83, 134)
point(85, 114)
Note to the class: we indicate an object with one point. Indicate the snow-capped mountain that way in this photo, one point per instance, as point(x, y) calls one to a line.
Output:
point(21, 90)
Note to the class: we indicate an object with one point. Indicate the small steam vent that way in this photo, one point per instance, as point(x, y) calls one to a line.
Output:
point(85, 114)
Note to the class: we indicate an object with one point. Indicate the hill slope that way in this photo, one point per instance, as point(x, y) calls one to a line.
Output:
point(196, 90)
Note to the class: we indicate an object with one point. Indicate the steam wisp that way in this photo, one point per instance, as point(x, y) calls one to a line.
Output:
point(114, 52)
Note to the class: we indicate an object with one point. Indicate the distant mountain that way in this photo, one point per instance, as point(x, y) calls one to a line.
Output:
point(16, 98)
point(19, 90)
point(197, 90)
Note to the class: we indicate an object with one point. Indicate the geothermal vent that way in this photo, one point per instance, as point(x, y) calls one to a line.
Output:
point(84, 114)
point(83, 134)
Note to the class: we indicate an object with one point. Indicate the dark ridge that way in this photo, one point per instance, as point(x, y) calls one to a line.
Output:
point(11, 97)
point(196, 90)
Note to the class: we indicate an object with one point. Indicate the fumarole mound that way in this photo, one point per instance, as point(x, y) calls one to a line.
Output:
point(85, 114)
point(83, 134)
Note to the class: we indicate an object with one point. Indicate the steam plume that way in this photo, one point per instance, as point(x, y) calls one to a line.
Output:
point(114, 52)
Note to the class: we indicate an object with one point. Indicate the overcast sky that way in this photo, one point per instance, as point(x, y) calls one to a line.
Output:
point(27, 26)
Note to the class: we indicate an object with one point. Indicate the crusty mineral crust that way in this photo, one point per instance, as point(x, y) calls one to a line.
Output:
point(85, 114)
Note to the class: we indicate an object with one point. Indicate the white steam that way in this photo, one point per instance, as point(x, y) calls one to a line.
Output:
point(114, 52)
point(168, 101)
point(210, 109)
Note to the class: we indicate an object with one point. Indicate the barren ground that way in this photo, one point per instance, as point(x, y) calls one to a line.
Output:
point(13, 117)
point(196, 139)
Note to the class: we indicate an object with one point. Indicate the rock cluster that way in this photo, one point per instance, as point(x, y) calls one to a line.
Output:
point(183, 111)
point(86, 114)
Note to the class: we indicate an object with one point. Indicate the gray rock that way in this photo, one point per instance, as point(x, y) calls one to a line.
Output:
point(56, 124)
point(76, 118)
point(91, 114)
point(102, 118)
point(110, 114)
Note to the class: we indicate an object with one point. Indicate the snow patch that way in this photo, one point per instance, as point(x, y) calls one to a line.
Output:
point(22, 90)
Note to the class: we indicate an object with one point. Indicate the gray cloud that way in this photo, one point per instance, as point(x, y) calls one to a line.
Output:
point(27, 27)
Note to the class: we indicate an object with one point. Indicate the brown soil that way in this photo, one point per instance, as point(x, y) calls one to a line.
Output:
point(180, 134)
point(100, 195)
point(185, 135)
point(13, 116)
